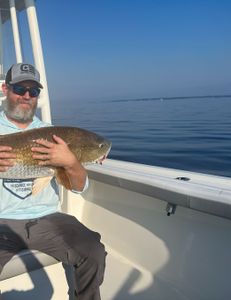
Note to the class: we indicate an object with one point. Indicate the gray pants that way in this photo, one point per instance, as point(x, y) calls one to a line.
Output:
point(63, 237)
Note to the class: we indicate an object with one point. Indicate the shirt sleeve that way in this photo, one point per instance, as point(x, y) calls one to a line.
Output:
point(84, 189)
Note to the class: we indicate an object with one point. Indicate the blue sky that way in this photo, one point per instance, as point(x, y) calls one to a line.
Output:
point(118, 49)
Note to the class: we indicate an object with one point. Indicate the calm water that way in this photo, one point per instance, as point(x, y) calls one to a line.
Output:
point(190, 134)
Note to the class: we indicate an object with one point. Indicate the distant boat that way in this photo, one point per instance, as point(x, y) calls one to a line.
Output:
point(167, 231)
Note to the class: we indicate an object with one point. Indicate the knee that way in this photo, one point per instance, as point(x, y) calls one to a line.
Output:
point(97, 252)
point(91, 249)
point(97, 260)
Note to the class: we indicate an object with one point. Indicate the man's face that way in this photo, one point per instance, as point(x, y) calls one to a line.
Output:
point(19, 107)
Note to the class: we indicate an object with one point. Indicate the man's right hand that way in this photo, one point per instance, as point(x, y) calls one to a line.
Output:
point(6, 158)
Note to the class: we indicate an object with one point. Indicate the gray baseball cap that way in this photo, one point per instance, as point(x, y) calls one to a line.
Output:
point(22, 72)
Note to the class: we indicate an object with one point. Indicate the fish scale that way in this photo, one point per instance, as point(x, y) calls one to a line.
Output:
point(22, 171)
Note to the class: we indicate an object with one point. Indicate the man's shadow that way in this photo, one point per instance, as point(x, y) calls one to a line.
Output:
point(42, 287)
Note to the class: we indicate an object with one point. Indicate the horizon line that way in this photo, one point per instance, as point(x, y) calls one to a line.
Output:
point(171, 98)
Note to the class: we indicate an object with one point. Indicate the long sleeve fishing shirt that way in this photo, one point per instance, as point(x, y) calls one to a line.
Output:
point(16, 200)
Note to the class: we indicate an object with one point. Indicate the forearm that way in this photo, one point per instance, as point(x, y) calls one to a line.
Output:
point(77, 176)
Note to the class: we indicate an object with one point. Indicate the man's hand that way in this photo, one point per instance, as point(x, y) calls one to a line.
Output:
point(58, 154)
point(55, 154)
point(6, 158)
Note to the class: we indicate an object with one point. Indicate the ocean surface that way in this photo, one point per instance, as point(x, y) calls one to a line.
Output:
point(184, 133)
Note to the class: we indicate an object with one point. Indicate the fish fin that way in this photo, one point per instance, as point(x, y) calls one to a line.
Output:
point(40, 183)
point(62, 178)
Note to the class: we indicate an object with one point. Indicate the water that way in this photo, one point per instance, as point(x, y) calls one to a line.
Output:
point(190, 134)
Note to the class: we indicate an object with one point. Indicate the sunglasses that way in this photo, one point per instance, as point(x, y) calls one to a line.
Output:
point(21, 90)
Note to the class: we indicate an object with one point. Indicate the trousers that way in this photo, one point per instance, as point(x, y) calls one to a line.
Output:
point(63, 237)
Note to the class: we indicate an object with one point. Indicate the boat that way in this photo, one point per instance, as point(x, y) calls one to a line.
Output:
point(166, 231)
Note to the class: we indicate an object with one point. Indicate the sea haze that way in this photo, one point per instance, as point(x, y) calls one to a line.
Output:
point(184, 133)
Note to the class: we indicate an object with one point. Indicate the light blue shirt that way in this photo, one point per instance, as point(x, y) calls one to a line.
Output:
point(16, 201)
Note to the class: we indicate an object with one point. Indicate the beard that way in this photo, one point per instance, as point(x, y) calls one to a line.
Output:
point(17, 113)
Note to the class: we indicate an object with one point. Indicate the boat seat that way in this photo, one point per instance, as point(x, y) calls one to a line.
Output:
point(26, 261)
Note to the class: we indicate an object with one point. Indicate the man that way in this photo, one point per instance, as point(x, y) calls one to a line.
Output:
point(36, 220)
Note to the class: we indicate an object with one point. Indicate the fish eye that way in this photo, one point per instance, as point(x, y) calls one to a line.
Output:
point(101, 145)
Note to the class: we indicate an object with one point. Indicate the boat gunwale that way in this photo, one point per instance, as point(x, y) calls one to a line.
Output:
point(211, 196)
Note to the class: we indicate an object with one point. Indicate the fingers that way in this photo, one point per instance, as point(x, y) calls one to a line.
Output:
point(6, 158)
point(5, 148)
point(48, 147)
point(3, 169)
point(5, 152)
point(5, 165)
point(44, 163)
point(5, 155)
point(6, 162)
point(54, 153)
point(58, 140)
point(44, 143)
point(48, 144)
point(42, 156)
point(40, 150)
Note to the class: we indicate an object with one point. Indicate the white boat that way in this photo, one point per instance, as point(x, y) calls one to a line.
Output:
point(167, 231)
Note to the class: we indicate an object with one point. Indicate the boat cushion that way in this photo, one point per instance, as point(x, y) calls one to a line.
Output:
point(26, 261)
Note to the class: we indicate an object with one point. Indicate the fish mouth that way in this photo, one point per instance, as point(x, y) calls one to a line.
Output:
point(103, 157)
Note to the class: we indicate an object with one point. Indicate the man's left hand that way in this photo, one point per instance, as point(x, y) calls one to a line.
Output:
point(55, 154)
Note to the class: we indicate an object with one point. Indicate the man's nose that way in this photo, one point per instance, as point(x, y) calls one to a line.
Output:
point(26, 95)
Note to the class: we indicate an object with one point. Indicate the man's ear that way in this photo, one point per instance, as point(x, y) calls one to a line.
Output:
point(4, 89)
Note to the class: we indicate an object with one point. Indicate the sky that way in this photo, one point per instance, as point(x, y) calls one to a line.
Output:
point(120, 49)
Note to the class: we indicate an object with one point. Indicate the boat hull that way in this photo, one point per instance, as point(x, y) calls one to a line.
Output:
point(151, 254)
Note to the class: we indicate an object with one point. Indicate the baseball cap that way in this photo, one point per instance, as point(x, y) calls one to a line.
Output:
point(21, 72)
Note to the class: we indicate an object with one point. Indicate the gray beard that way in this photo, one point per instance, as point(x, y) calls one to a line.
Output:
point(18, 114)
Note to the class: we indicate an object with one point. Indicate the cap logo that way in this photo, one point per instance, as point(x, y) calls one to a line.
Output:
point(25, 68)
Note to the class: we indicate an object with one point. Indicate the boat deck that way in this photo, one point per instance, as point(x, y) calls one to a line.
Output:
point(122, 281)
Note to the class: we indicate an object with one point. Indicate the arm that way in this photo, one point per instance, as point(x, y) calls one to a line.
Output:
point(59, 155)
point(77, 176)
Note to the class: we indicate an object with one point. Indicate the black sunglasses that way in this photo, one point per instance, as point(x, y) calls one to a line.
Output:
point(21, 90)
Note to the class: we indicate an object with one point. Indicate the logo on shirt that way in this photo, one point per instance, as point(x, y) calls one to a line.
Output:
point(21, 188)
